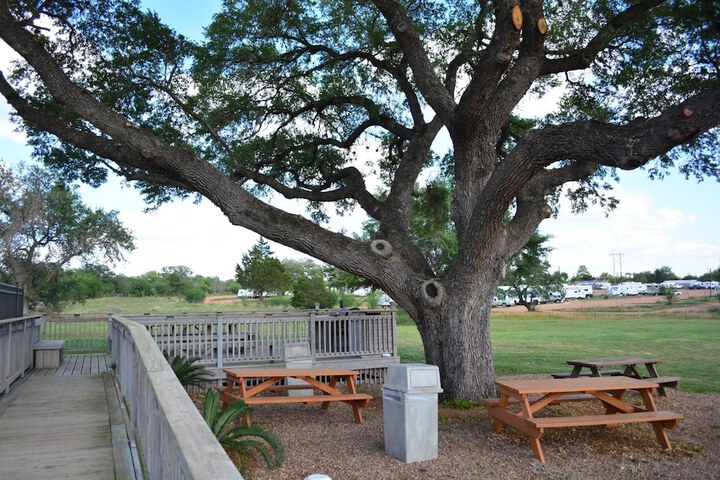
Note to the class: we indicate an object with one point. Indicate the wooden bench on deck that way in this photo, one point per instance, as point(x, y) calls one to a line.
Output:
point(48, 353)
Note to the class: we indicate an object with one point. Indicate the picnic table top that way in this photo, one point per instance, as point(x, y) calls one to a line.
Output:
point(289, 372)
point(568, 385)
point(613, 361)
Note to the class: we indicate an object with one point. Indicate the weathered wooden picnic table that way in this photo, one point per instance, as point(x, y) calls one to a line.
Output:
point(253, 386)
point(521, 400)
point(629, 367)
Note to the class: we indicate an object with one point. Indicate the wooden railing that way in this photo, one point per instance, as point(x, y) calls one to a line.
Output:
point(238, 338)
point(82, 333)
point(173, 437)
point(17, 336)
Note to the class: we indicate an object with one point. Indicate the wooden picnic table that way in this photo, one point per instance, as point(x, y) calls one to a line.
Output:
point(521, 400)
point(256, 386)
point(629, 368)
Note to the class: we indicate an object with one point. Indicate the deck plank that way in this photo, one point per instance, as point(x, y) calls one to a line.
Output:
point(58, 427)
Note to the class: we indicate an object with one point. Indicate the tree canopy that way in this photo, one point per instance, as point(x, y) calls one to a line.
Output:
point(262, 273)
point(339, 104)
point(44, 226)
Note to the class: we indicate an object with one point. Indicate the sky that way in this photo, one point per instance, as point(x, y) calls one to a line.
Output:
point(674, 222)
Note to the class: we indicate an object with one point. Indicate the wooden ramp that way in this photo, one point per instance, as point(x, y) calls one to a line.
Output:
point(57, 428)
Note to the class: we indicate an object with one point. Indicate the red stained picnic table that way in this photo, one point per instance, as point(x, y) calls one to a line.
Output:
point(521, 400)
point(260, 386)
point(629, 368)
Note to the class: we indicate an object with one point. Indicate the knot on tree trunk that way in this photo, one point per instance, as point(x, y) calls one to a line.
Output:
point(381, 247)
point(432, 291)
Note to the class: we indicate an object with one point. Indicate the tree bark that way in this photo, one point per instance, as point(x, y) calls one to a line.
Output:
point(457, 340)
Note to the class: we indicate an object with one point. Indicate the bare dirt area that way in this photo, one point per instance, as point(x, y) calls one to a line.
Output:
point(220, 299)
point(329, 442)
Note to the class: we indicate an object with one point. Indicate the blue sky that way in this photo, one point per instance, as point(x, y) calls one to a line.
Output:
point(674, 222)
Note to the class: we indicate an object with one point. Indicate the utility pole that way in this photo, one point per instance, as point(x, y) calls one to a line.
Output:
point(617, 262)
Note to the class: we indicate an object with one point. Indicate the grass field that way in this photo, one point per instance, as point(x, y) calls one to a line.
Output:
point(686, 341)
point(527, 343)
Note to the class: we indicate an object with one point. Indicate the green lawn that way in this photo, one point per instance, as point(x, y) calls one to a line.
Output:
point(526, 343)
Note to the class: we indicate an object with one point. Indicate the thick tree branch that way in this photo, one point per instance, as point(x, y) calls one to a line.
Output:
point(626, 146)
point(582, 59)
point(431, 87)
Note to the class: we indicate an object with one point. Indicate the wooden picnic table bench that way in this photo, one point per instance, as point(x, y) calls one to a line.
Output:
point(252, 385)
point(630, 369)
point(521, 400)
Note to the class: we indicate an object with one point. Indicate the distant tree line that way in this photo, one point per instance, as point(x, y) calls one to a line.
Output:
point(658, 275)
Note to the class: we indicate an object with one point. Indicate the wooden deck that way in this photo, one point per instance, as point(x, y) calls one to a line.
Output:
point(91, 364)
point(58, 424)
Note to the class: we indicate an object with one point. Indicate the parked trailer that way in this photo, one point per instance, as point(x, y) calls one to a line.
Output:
point(627, 288)
point(578, 291)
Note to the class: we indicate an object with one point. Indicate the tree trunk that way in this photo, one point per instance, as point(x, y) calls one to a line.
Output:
point(456, 336)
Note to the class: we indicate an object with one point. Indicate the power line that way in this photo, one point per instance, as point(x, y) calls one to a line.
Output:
point(617, 262)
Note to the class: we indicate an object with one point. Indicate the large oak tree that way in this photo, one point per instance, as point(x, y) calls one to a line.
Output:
point(311, 99)
point(44, 226)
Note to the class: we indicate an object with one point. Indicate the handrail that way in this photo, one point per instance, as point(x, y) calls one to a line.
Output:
point(173, 437)
point(234, 338)
point(17, 337)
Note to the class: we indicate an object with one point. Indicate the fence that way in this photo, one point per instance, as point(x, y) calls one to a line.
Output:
point(364, 340)
point(17, 337)
point(221, 339)
point(11, 301)
point(82, 334)
point(174, 439)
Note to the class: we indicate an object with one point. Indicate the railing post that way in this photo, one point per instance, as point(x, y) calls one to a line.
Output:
point(220, 340)
point(313, 346)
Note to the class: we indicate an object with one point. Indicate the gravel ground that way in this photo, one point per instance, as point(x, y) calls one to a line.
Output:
point(329, 442)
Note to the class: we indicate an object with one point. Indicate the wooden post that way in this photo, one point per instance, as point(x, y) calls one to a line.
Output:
point(219, 340)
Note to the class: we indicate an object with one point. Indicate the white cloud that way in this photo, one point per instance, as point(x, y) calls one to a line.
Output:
point(641, 233)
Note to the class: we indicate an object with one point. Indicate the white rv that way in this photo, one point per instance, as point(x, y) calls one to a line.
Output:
point(578, 291)
point(627, 288)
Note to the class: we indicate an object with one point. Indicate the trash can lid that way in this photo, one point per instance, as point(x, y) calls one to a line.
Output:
point(413, 378)
point(317, 476)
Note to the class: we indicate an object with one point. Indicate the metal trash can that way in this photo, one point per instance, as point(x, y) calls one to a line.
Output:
point(410, 411)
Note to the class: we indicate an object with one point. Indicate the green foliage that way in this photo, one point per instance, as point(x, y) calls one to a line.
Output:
point(194, 295)
point(188, 371)
point(669, 293)
point(344, 281)
point(309, 292)
point(244, 441)
point(261, 272)
point(373, 299)
point(528, 272)
point(347, 300)
point(582, 274)
point(44, 226)
point(659, 275)
point(431, 228)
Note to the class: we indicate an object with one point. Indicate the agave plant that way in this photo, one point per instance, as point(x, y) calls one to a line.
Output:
point(188, 371)
point(243, 440)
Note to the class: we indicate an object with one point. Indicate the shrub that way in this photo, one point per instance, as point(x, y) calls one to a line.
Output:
point(244, 441)
point(194, 295)
point(188, 371)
